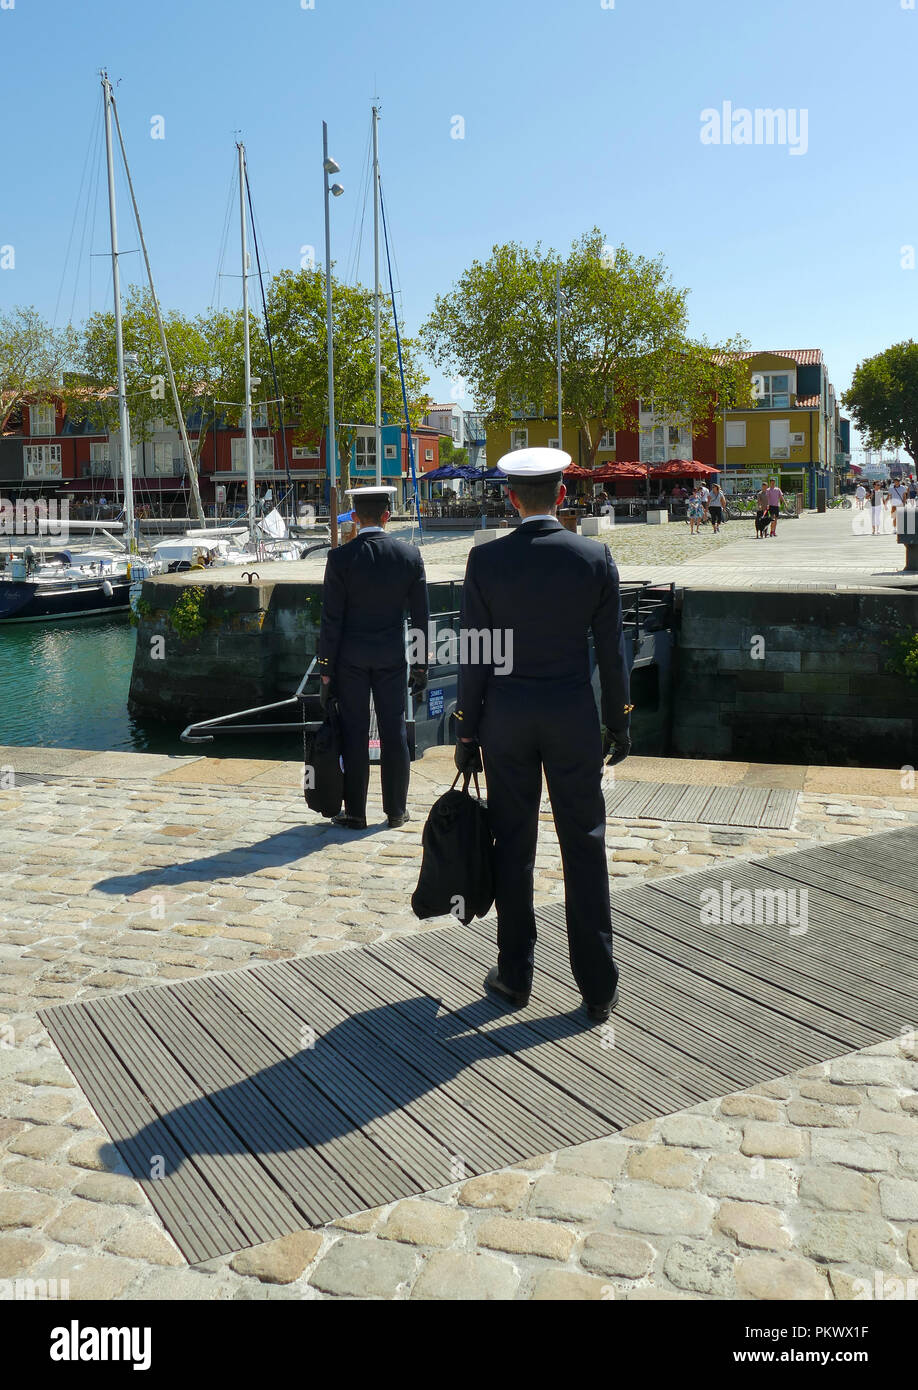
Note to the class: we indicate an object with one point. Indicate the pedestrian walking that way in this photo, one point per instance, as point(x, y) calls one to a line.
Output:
point(716, 503)
point(539, 592)
point(876, 508)
point(762, 517)
point(369, 585)
point(775, 498)
point(694, 511)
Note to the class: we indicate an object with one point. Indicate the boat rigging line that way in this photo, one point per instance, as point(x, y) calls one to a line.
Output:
point(279, 400)
point(401, 368)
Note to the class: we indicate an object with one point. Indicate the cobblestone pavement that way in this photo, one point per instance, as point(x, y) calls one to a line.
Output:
point(812, 551)
point(124, 870)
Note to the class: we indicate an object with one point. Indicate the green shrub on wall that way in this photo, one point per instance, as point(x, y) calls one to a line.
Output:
point(186, 617)
point(904, 661)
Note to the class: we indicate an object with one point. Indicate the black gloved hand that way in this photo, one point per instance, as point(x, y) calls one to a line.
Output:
point(417, 679)
point(616, 745)
point(468, 757)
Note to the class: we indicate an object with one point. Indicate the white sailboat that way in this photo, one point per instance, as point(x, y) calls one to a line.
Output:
point(63, 583)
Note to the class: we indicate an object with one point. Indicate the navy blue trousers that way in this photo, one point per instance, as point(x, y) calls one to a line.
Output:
point(528, 725)
point(353, 685)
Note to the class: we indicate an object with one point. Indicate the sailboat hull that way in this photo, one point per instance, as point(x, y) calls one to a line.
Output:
point(22, 601)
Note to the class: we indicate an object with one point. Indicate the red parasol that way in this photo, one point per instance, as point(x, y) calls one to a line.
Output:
point(682, 468)
point(575, 471)
point(610, 471)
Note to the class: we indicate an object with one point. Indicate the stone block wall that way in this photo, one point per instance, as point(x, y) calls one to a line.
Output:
point(795, 676)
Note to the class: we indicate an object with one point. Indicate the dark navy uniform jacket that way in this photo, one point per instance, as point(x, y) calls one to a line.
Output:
point(370, 583)
point(550, 587)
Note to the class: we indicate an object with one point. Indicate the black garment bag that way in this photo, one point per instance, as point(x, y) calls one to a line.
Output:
point(457, 870)
point(323, 773)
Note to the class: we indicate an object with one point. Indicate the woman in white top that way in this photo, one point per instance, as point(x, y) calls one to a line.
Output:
point(896, 499)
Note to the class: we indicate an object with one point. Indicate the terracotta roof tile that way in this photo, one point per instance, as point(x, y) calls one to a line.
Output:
point(804, 357)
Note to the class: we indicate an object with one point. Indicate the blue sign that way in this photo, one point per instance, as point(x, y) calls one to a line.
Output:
point(434, 703)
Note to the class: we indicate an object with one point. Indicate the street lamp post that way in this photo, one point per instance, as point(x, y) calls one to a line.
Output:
point(336, 189)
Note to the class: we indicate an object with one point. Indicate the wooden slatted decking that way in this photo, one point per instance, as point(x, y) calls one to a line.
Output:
point(255, 1102)
point(763, 808)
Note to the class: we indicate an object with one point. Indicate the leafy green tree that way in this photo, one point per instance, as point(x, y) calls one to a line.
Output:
point(33, 357)
point(624, 336)
point(452, 454)
point(883, 398)
point(206, 356)
point(296, 310)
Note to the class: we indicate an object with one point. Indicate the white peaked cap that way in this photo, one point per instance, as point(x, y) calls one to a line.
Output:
point(534, 463)
point(369, 491)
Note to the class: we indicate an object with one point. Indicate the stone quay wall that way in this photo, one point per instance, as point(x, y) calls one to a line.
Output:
point(795, 676)
point(230, 646)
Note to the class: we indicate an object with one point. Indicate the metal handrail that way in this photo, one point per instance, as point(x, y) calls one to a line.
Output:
point(190, 734)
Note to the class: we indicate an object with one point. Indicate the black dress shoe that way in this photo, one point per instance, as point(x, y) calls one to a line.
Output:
point(349, 822)
point(396, 821)
point(494, 983)
point(600, 1012)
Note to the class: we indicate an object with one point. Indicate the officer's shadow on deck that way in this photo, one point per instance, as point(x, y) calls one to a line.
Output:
point(285, 847)
point(310, 1097)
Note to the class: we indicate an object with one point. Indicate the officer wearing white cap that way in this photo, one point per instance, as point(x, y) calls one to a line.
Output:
point(370, 584)
point(545, 589)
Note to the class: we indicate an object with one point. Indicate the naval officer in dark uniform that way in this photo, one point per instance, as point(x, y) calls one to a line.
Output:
point(370, 584)
point(545, 589)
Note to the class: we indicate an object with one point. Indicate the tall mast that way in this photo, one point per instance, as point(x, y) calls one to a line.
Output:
point(378, 377)
point(249, 443)
point(186, 446)
point(126, 461)
point(558, 314)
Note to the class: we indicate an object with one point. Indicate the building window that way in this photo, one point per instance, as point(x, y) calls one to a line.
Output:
point(554, 443)
point(779, 438)
point(428, 455)
point(736, 434)
point(162, 460)
point(259, 415)
point(113, 448)
point(305, 451)
point(390, 451)
point(42, 460)
point(365, 450)
point(263, 452)
point(42, 419)
point(662, 440)
point(773, 390)
point(519, 439)
point(608, 441)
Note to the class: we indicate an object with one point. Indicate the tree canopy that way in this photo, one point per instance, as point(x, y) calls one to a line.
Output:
point(33, 356)
point(296, 310)
point(883, 398)
point(624, 336)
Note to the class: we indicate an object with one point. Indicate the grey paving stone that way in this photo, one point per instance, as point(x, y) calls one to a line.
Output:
point(700, 1267)
point(450, 1274)
point(365, 1268)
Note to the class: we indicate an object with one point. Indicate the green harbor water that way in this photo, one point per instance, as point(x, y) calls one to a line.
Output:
point(65, 685)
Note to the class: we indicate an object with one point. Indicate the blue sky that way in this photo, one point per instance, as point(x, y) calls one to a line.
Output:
point(575, 115)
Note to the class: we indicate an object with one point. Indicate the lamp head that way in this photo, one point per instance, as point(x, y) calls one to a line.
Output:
point(331, 166)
